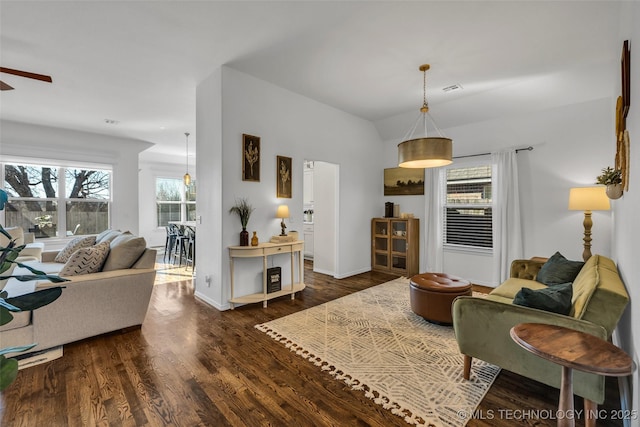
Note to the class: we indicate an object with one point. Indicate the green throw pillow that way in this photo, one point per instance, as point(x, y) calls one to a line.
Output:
point(556, 299)
point(558, 270)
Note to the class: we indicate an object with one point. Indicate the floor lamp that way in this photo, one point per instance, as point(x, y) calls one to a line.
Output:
point(588, 199)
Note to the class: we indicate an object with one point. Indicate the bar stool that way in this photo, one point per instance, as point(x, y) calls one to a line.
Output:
point(180, 245)
point(170, 242)
point(190, 250)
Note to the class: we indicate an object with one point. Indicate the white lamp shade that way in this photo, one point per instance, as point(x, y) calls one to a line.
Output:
point(588, 199)
point(282, 212)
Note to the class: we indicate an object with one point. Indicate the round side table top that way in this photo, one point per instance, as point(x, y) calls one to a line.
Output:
point(573, 349)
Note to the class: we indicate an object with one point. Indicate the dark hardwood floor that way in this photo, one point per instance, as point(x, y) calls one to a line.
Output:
point(191, 365)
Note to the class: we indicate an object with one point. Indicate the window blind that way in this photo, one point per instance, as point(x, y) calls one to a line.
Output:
point(468, 207)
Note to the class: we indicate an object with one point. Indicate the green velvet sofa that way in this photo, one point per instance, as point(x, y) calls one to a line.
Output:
point(482, 325)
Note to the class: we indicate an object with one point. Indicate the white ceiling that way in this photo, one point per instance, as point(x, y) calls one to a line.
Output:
point(139, 62)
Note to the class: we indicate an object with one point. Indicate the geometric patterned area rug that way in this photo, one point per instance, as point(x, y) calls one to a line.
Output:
point(373, 342)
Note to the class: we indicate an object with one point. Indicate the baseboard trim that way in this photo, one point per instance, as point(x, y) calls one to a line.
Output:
point(38, 357)
point(353, 273)
point(321, 271)
point(212, 303)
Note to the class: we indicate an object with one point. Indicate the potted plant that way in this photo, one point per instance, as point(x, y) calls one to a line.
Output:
point(243, 209)
point(26, 302)
point(612, 178)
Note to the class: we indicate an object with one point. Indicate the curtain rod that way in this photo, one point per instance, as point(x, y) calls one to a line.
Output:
point(529, 148)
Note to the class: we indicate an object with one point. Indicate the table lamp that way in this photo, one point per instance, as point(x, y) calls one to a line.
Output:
point(282, 212)
point(588, 199)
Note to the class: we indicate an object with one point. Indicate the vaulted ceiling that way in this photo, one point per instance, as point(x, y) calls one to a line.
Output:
point(139, 62)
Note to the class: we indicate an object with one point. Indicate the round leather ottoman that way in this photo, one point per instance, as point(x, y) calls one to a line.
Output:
point(431, 295)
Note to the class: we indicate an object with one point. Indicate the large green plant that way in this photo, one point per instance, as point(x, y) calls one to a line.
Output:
point(27, 302)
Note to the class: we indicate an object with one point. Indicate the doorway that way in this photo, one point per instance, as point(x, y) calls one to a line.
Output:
point(320, 203)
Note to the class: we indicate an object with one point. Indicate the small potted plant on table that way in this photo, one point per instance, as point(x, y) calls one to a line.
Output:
point(243, 208)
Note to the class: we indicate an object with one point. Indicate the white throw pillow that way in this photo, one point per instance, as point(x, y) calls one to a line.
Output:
point(74, 245)
point(125, 251)
point(109, 235)
point(86, 260)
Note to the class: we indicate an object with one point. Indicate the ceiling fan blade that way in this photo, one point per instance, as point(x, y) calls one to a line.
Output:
point(4, 86)
point(26, 74)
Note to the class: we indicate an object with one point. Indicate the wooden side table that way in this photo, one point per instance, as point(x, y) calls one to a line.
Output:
point(264, 250)
point(573, 349)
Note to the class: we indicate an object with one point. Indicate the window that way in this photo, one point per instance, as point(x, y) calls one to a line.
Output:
point(40, 201)
point(468, 207)
point(87, 196)
point(174, 202)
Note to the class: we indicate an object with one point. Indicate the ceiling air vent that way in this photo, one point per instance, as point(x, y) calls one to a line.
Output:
point(452, 88)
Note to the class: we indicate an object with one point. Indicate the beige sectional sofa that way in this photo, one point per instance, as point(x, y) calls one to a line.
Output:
point(482, 325)
point(31, 252)
point(90, 304)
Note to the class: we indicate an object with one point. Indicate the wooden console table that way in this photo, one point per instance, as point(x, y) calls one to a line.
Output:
point(573, 349)
point(264, 250)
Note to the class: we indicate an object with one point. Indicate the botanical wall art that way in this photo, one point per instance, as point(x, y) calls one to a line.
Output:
point(403, 182)
point(283, 177)
point(622, 109)
point(625, 65)
point(250, 158)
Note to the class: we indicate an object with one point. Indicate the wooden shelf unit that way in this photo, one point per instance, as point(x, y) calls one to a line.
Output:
point(395, 245)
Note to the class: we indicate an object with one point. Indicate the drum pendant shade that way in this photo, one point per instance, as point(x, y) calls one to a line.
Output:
point(426, 152)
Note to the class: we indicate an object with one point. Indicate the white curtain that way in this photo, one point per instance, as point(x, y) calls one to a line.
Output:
point(507, 231)
point(434, 219)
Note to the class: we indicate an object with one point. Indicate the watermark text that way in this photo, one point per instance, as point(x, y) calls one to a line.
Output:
point(548, 414)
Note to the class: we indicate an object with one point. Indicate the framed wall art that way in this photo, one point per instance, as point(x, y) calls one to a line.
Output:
point(283, 177)
point(250, 158)
point(622, 109)
point(403, 182)
point(625, 66)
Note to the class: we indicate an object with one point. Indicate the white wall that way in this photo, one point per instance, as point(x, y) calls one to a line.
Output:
point(626, 231)
point(288, 125)
point(210, 283)
point(25, 140)
point(569, 151)
point(325, 228)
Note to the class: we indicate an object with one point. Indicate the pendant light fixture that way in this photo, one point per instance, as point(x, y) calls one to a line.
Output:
point(426, 152)
point(187, 178)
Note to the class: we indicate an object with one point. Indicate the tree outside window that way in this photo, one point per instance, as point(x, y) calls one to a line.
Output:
point(41, 202)
point(174, 201)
